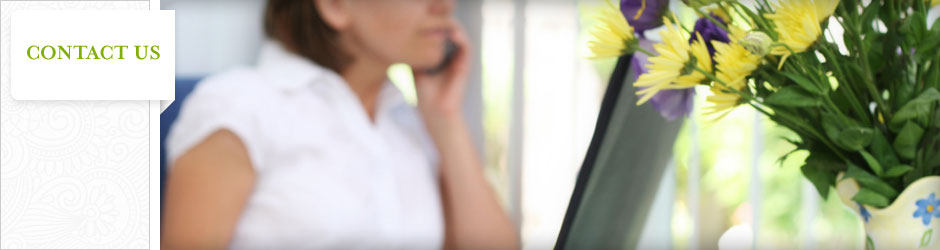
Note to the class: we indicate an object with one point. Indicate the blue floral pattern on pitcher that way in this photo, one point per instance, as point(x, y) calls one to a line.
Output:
point(928, 208)
point(863, 211)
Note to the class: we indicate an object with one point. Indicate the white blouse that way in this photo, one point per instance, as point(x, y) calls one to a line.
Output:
point(327, 177)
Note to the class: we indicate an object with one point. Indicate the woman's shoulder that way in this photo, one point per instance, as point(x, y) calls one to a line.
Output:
point(234, 100)
point(243, 84)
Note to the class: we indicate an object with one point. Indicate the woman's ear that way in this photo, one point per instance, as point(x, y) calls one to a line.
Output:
point(336, 13)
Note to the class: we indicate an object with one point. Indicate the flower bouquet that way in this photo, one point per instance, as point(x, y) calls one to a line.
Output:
point(856, 82)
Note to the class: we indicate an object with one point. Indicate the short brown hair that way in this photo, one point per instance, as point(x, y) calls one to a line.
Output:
point(298, 26)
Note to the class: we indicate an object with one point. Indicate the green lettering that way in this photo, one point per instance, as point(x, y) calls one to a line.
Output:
point(43, 52)
point(156, 51)
point(30, 55)
point(121, 51)
point(67, 53)
point(80, 50)
point(109, 56)
point(93, 52)
point(137, 48)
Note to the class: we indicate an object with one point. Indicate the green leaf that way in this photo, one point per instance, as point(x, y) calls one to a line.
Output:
point(936, 116)
point(845, 133)
point(870, 181)
point(832, 126)
point(908, 139)
point(873, 163)
point(869, 13)
point(856, 138)
point(898, 171)
point(805, 83)
point(882, 150)
point(793, 97)
point(919, 107)
point(868, 197)
point(914, 26)
point(820, 178)
point(825, 161)
point(935, 28)
point(926, 48)
point(877, 58)
point(933, 162)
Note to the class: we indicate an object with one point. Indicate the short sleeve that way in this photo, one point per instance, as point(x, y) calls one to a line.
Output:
point(219, 103)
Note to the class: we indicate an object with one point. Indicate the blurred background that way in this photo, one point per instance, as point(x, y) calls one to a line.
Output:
point(533, 102)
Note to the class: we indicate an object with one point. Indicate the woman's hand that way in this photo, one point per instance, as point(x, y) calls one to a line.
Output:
point(473, 218)
point(440, 95)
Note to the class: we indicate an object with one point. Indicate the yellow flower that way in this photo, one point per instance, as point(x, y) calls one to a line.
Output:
point(722, 101)
point(674, 65)
point(612, 36)
point(797, 23)
point(935, 3)
point(734, 63)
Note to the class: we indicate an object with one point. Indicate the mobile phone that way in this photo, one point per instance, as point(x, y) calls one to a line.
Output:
point(450, 51)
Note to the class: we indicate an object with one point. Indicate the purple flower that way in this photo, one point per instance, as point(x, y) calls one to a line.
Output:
point(671, 103)
point(710, 32)
point(640, 60)
point(650, 18)
point(674, 103)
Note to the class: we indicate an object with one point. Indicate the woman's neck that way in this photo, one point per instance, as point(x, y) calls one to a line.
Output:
point(365, 78)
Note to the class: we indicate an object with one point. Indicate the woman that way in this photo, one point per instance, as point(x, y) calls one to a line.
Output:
point(314, 148)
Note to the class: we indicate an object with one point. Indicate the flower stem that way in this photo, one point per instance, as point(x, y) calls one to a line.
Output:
point(855, 28)
point(644, 51)
point(795, 123)
point(757, 21)
point(849, 91)
point(712, 19)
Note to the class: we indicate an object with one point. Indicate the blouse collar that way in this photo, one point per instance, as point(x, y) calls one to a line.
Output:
point(291, 72)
